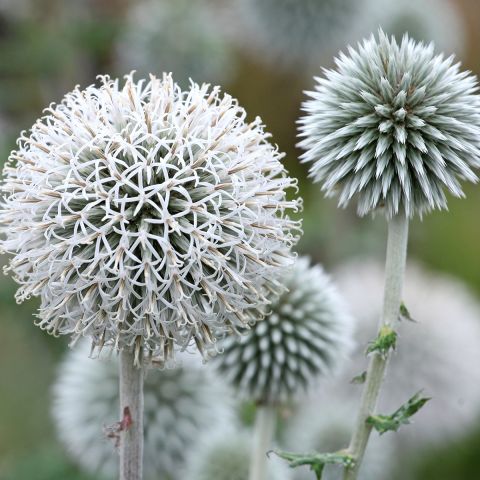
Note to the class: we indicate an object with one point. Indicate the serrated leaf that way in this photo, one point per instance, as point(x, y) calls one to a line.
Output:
point(385, 341)
point(385, 423)
point(316, 461)
point(405, 314)
point(359, 379)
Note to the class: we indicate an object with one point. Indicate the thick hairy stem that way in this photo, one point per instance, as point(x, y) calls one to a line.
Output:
point(131, 414)
point(264, 430)
point(394, 273)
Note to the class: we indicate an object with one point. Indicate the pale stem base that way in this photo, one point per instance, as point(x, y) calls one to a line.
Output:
point(394, 274)
point(131, 415)
point(264, 430)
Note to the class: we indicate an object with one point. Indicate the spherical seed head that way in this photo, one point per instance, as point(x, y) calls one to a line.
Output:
point(293, 32)
point(394, 126)
point(145, 215)
point(306, 335)
point(434, 354)
point(179, 36)
point(224, 454)
point(180, 403)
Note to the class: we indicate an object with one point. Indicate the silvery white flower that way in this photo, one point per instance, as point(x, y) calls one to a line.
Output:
point(306, 335)
point(324, 424)
point(292, 32)
point(224, 454)
point(394, 126)
point(145, 215)
point(180, 36)
point(180, 403)
point(437, 21)
point(437, 354)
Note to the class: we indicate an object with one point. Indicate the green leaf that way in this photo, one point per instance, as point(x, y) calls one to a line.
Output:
point(385, 341)
point(385, 423)
point(359, 379)
point(405, 314)
point(316, 461)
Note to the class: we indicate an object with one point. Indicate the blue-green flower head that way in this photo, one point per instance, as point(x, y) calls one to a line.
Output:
point(394, 126)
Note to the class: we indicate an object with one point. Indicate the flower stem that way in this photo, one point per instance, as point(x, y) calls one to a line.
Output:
point(394, 274)
point(265, 421)
point(131, 414)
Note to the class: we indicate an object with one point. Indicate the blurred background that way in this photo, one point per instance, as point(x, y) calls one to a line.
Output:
point(265, 53)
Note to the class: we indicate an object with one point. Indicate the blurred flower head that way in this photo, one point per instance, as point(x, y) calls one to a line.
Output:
point(306, 335)
point(180, 36)
point(146, 215)
point(180, 403)
point(394, 126)
point(437, 21)
point(224, 454)
point(296, 32)
point(436, 354)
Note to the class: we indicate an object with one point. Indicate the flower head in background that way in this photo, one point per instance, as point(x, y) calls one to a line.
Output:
point(180, 403)
point(293, 32)
point(145, 215)
point(224, 454)
point(306, 335)
point(180, 36)
point(324, 423)
point(394, 126)
point(437, 21)
point(434, 354)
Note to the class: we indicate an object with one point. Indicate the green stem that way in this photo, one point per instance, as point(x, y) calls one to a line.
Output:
point(265, 421)
point(394, 274)
point(131, 414)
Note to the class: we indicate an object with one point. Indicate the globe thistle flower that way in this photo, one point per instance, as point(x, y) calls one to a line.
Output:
point(435, 21)
point(180, 403)
point(323, 424)
point(224, 453)
point(394, 126)
point(307, 334)
point(292, 32)
point(436, 353)
point(161, 35)
point(144, 215)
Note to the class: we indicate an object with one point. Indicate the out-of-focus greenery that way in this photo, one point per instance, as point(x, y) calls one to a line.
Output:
point(63, 43)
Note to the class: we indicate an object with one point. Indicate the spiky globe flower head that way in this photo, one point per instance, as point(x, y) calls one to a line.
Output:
point(182, 37)
point(434, 354)
point(180, 403)
point(145, 215)
point(306, 335)
point(293, 32)
point(394, 126)
point(224, 454)
point(437, 21)
point(324, 423)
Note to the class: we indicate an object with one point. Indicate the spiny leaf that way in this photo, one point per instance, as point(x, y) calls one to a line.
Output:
point(316, 461)
point(359, 379)
point(386, 340)
point(385, 423)
point(405, 314)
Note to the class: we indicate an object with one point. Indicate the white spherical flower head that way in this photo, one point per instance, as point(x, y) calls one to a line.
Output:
point(437, 21)
point(145, 215)
point(293, 32)
point(176, 36)
point(434, 354)
point(180, 403)
point(306, 335)
point(394, 126)
point(224, 454)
